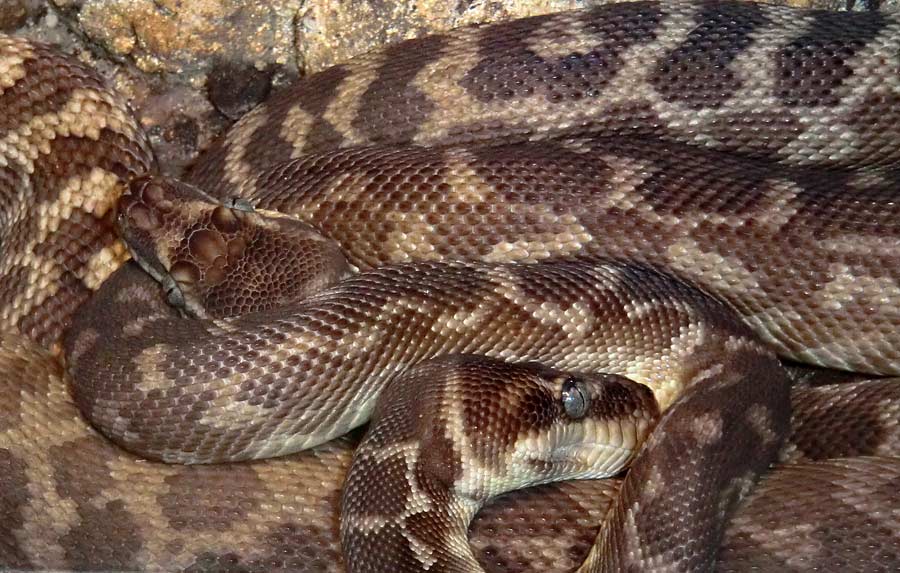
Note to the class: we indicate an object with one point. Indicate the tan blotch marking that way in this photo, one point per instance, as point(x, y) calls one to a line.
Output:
point(149, 364)
point(95, 193)
point(576, 321)
point(639, 65)
point(85, 114)
point(635, 554)
point(439, 81)
point(416, 500)
point(33, 535)
point(626, 175)
point(725, 273)
point(708, 373)
point(124, 472)
point(656, 485)
point(83, 342)
point(297, 125)
point(774, 540)
point(412, 238)
point(737, 488)
point(663, 369)
point(135, 328)
point(864, 180)
point(832, 127)
point(552, 42)
point(239, 172)
point(848, 288)
point(479, 476)
point(570, 239)
point(13, 53)
point(102, 264)
point(776, 209)
point(130, 294)
point(707, 428)
point(760, 419)
point(467, 186)
point(454, 321)
point(43, 282)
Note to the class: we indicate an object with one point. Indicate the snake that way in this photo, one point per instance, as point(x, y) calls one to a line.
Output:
point(670, 194)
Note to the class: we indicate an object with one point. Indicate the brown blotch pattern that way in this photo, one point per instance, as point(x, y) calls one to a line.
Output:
point(201, 498)
point(510, 69)
point(812, 69)
point(83, 481)
point(392, 99)
point(13, 501)
point(697, 73)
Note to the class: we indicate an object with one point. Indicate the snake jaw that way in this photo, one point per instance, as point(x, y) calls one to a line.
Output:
point(591, 450)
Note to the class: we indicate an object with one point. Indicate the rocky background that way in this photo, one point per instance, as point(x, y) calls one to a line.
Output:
point(192, 67)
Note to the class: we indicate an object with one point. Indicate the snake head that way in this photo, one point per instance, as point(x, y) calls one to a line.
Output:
point(581, 426)
point(217, 259)
point(523, 424)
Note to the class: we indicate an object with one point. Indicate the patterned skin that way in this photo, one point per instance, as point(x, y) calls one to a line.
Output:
point(807, 257)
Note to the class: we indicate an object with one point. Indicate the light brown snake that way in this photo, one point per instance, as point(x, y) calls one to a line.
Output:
point(693, 157)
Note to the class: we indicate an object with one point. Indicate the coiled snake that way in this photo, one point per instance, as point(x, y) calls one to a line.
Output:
point(668, 192)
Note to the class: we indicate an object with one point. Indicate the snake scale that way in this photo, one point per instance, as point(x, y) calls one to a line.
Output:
point(666, 193)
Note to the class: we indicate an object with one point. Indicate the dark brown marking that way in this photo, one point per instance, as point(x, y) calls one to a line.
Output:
point(388, 500)
point(43, 89)
point(46, 322)
point(510, 70)
point(840, 420)
point(391, 101)
point(383, 550)
point(72, 155)
point(812, 69)
point(14, 498)
point(697, 72)
point(201, 498)
point(439, 464)
point(81, 478)
point(88, 543)
point(876, 119)
point(209, 562)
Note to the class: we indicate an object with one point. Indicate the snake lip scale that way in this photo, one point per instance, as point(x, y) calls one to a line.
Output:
point(500, 246)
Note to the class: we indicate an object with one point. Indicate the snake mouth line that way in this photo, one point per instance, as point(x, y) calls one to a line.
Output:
point(585, 460)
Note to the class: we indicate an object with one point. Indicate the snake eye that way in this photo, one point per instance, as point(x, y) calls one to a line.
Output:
point(240, 204)
point(575, 398)
point(174, 296)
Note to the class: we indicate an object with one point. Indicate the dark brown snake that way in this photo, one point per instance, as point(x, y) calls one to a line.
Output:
point(699, 186)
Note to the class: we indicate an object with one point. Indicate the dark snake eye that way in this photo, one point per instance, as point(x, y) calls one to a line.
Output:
point(575, 398)
point(174, 296)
